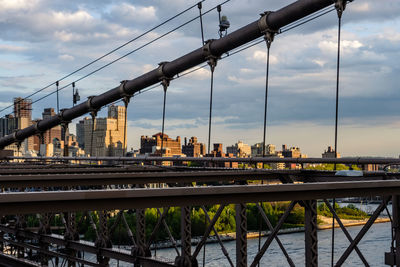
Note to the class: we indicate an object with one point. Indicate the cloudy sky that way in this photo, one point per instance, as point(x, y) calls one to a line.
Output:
point(41, 41)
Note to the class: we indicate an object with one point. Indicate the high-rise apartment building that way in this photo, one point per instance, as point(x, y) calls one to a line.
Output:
point(21, 119)
point(80, 133)
point(22, 107)
point(106, 138)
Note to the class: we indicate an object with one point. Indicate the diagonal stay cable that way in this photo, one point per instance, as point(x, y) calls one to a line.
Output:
point(131, 52)
point(109, 53)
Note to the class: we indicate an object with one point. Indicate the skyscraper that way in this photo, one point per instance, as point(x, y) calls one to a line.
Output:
point(106, 138)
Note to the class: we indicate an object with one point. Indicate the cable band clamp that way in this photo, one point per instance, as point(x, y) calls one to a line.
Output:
point(340, 6)
point(17, 140)
point(126, 97)
point(265, 29)
point(63, 121)
point(92, 110)
point(210, 57)
point(37, 130)
point(165, 80)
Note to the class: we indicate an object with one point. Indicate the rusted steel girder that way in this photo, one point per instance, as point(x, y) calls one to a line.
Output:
point(60, 201)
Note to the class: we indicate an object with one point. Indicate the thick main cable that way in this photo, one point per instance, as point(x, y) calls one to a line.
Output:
point(246, 34)
point(129, 53)
point(108, 53)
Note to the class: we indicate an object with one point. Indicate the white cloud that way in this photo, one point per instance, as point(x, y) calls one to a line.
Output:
point(66, 57)
point(198, 74)
point(347, 46)
point(361, 7)
point(261, 56)
point(12, 48)
point(78, 18)
point(15, 5)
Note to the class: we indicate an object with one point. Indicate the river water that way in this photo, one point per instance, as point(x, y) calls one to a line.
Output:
point(373, 246)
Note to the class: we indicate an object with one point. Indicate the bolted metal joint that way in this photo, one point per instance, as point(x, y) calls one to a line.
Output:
point(92, 110)
point(126, 97)
point(19, 141)
point(340, 6)
point(211, 58)
point(37, 130)
point(63, 121)
point(165, 80)
point(268, 32)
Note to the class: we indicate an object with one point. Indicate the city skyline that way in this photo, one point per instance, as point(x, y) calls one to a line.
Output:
point(301, 104)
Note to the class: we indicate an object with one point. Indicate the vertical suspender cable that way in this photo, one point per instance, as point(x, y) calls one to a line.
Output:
point(199, 5)
point(91, 136)
point(337, 84)
point(124, 148)
point(340, 5)
point(212, 66)
point(165, 84)
point(58, 104)
point(268, 38)
point(73, 94)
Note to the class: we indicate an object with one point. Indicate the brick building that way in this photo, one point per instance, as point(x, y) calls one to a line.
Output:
point(219, 153)
point(152, 145)
point(49, 135)
point(193, 148)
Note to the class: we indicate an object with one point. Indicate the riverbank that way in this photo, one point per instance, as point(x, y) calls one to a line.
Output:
point(327, 224)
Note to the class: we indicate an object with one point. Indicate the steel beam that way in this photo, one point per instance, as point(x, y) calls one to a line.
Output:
point(346, 233)
point(111, 178)
point(271, 228)
point(253, 160)
point(241, 235)
point(55, 169)
point(186, 259)
point(252, 31)
point(311, 237)
point(61, 201)
point(50, 180)
point(10, 261)
point(363, 231)
point(272, 235)
point(396, 227)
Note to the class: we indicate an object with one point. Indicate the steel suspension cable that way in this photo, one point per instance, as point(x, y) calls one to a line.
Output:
point(124, 148)
point(269, 37)
point(212, 67)
point(340, 5)
point(165, 84)
point(199, 5)
point(129, 53)
point(110, 52)
point(58, 104)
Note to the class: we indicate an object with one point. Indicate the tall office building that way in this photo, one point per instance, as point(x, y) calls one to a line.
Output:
point(80, 133)
point(106, 138)
point(22, 118)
